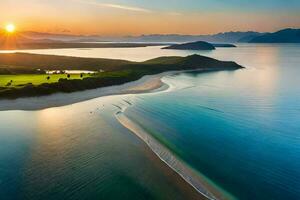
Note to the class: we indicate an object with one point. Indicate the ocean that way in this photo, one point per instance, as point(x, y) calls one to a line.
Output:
point(236, 131)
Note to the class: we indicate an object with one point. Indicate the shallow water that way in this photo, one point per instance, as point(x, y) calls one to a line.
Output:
point(79, 151)
point(239, 129)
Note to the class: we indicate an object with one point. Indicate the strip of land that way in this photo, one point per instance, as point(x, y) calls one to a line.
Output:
point(188, 174)
point(24, 75)
point(147, 83)
point(18, 45)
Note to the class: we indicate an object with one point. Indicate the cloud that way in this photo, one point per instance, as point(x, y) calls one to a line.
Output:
point(131, 8)
point(117, 6)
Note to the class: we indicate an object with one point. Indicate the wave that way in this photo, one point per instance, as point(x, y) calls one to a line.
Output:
point(186, 172)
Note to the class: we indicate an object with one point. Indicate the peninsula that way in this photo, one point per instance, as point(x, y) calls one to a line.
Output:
point(108, 72)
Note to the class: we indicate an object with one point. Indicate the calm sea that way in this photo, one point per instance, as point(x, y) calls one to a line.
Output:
point(240, 130)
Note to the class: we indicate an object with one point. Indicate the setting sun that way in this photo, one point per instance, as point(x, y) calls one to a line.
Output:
point(10, 28)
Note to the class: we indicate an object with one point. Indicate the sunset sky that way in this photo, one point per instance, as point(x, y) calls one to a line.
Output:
point(134, 17)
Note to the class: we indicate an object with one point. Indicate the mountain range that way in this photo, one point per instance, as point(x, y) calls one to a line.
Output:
point(227, 37)
point(283, 36)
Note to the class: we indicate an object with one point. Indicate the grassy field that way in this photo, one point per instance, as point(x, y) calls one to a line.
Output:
point(20, 80)
point(35, 79)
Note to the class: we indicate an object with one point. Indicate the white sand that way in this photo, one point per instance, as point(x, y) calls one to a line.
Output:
point(145, 84)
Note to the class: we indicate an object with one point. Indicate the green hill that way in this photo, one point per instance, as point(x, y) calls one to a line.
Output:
point(116, 72)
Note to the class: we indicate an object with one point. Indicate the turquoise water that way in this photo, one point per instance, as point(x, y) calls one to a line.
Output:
point(239, 129)
point(79, 152)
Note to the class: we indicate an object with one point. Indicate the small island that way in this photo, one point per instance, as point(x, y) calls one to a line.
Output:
point(224, 45)
point(199, 45)
point(26, 75)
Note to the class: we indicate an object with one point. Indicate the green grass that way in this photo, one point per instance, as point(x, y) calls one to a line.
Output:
point(35, 79)
point(20, 80)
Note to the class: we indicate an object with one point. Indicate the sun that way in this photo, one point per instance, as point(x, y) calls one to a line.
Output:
point(10, 28)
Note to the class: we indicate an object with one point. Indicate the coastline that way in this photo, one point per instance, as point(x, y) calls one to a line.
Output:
point(150, 83)
point(188, 175)
point(146, 84)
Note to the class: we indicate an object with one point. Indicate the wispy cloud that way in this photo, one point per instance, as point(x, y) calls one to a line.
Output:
point(131, 8)
point(117, 6)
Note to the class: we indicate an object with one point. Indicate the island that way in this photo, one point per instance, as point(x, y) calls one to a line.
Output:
point(224, 45)
point(25, 75)
point(199, 45)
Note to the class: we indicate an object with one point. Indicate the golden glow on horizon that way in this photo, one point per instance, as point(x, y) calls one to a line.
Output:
point(10, 28)
point(80, 18)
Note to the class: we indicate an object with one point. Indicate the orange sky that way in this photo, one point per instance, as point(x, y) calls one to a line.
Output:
point(104, 18)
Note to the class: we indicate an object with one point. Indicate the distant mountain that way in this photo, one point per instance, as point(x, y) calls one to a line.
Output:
point(283, 36)
point(51, 36)
point(249, 37)
point(286, 35)
point(20, 37)
point(20, 41)
point(226, 37)
point(200, 45)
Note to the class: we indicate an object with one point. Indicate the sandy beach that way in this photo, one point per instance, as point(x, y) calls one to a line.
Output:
point(187, 174)
point(145, 84)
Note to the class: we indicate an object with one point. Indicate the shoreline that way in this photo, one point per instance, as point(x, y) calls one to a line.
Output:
point(188, 175)
point(147, 83)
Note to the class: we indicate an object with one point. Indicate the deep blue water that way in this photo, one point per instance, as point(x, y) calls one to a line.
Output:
point(240, 129)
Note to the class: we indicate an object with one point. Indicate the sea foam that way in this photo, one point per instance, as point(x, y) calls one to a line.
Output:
point(187, 173)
